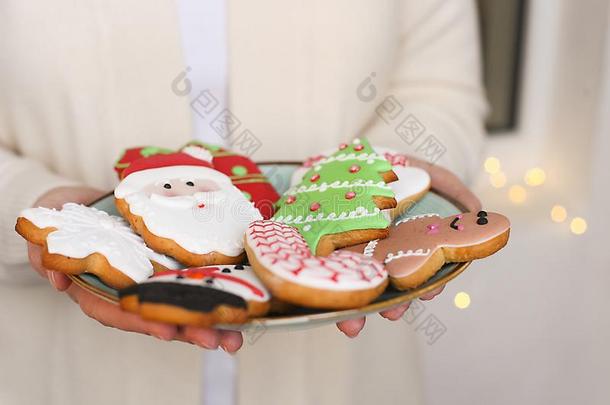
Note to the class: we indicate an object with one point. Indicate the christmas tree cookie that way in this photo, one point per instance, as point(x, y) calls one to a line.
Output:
point(338, 203)
point(339, 199)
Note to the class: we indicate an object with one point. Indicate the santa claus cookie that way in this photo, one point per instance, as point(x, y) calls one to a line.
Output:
point(412, 184)
point(242, 171)
point(419, 246)
point(79, 239)
point(184, 208)
point(199, 296)
point(282, 259)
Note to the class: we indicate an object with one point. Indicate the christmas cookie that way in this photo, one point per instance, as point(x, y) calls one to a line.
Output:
point(418, 247)
point(412, 184)
point(242, 171)
point(339, 200)
point(185, 208)
point(282, 259)
point(79, 239)
point(199, 296)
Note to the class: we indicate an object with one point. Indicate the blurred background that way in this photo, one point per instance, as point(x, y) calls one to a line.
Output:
point(534, 328)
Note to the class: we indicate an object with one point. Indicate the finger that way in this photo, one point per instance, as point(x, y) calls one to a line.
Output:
point(432, 294)
point(231, 341)
point(203, 337)
point(352, 327)
point(448, 184)
point(113, 316)
point(58, 280)
point(35, 258)
point(394, 314)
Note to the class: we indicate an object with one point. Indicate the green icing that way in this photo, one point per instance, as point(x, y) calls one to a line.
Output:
point(154, 150)
point(239, 170)
point(337, 213)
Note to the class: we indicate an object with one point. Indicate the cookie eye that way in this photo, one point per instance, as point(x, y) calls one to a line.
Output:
point(226, 270)
point(167, 186)
point(209, 281)
point(481, 214)
point(190, 184)
point(239, 267)
point(482, 221)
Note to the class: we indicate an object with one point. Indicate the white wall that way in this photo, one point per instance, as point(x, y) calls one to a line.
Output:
point(538, 328)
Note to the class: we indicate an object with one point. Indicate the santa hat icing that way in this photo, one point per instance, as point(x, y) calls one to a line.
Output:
point(191, 162)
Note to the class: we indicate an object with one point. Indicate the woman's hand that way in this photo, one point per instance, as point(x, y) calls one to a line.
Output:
point(110, 314)
point(449, 186)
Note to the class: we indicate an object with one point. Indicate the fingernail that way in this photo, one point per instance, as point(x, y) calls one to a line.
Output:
point(52, 281)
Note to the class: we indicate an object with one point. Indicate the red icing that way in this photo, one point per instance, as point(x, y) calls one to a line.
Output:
point(163, 160)
point(290, 199)
point(354, 169)
point(358, 147)
point(284, 246)
point(314, 178)
point(212, 272)
point(314, 206)
point(349, 195)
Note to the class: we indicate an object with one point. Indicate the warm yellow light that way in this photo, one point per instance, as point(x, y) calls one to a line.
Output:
point(517, 194)
point(462, 300)
point(497, 180)
point(578, 226)
point(535, 177)
point(558, 213)
point(492, 165)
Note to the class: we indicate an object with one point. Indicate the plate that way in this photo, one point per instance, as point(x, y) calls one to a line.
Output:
point(301, 318)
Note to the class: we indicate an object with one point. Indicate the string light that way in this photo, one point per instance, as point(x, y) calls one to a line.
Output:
point(492, 165)
point(535, 177)
point(497, 180)
point(517, 194)
point(558, 213)
point(578, 226)
point(462, 300)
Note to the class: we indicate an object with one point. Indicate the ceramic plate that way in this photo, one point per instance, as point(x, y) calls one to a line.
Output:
point(300, 318)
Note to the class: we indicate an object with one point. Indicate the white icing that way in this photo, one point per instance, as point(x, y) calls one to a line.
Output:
point(223, 282)
point(369, 249)
point(402, 221)
point(358, 212)
point(282, 250)
point(82, 231)
point(411, 182)
point(219, 227)
point(198, 153)
point(322, 187)
point(407, 253)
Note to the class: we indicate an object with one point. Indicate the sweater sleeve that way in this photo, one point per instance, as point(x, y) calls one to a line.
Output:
point(434, 106)
point(22, 182)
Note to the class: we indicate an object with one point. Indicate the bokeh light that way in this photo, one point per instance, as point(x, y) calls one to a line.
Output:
point(492, 165)
point(578, 226)
point(517, 194)
point(535, 177)
point(558, 213)
point(462, 300)
point(497, 180)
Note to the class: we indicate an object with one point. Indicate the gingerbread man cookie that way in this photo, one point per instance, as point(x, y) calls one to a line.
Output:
point(284, 262)
point(185, 208)
point(199, 296)
point(412, 184)
point(419, 246)
point(79, 239)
